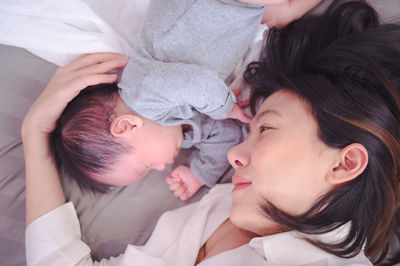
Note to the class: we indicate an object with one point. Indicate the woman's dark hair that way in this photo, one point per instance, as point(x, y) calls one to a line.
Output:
point(346, 66)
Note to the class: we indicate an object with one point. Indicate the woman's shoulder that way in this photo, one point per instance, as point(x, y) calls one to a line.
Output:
point(292, 248)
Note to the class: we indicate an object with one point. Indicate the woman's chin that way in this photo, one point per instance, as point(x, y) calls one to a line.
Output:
point(253, 222)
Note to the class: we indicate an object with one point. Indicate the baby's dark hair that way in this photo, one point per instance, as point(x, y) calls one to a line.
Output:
point(346, 66)
point(82, 143)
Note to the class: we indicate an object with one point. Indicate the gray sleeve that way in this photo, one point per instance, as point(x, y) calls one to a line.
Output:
point(186, 50)
point(210, 161)
point(208, 33)
point(173, 90)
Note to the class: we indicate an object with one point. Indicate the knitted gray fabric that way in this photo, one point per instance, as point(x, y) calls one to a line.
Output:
point(186, 50)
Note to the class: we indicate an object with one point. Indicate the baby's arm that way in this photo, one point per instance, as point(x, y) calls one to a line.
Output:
point(208, 163)
point(186, 51)
point(172, 90)
point(279, 15)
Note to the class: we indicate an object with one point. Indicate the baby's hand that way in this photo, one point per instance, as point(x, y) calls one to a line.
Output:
point(183, 182)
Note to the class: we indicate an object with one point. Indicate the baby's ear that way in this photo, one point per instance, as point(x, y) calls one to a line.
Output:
point(352, 161)
point(125, 124)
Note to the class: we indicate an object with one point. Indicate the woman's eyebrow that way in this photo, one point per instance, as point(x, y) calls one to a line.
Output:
point(267, 112)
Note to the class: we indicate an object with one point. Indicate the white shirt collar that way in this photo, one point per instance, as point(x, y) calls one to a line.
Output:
point(289, 248)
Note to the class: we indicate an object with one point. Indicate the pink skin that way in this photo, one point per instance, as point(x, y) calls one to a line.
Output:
point(43, 188)
point(282, 160)
point(240, 182)
point(154, 146)
point(183, 182)
point(237, 111)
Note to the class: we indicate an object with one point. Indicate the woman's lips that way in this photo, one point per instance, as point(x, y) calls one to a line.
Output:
point(240, 182)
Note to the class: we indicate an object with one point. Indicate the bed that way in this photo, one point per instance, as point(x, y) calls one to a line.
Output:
point(110, 221)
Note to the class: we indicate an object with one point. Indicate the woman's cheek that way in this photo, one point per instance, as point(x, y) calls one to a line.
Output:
point(265, 155)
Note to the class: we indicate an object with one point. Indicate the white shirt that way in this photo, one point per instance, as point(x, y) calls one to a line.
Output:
point(54, 239)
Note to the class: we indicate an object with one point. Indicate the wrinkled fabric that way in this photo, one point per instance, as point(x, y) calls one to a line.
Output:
point(54, 239)
point(60, 31)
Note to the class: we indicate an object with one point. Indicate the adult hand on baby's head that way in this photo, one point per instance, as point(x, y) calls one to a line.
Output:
point(67, 83)
point(183, 182)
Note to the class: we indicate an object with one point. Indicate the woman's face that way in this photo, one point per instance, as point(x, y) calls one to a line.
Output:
point(282, 161)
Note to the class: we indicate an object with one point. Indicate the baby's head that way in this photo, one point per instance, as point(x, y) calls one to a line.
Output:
point(100, 143)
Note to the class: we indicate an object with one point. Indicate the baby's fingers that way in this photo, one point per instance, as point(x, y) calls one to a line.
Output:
point(243, 103)
point(171, 179)
point(236, 91)
point(180, 190)
point(185, 195)
point(238, 113)
point(175, 186)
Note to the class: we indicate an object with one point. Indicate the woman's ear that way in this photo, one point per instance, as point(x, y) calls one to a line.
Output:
point(125, 124)
point(352, 161)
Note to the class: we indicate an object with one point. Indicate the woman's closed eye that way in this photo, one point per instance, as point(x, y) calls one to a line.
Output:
point(264, 128)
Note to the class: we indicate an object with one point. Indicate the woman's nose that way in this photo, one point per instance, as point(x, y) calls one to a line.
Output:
point(238, 156)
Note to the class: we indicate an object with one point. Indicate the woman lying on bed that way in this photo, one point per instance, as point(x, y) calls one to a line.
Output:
point(316, 181)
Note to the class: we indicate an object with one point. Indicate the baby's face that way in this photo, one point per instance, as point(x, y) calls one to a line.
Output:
point(153, 146)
